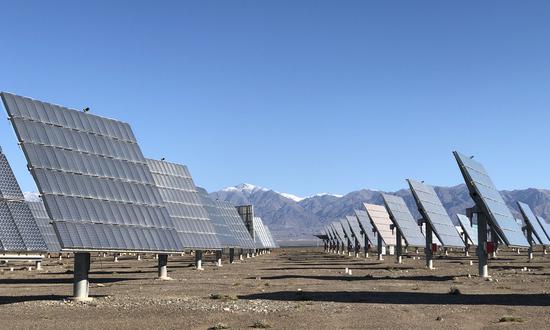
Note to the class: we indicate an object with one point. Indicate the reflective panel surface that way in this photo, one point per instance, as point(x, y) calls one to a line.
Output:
point(403, 219)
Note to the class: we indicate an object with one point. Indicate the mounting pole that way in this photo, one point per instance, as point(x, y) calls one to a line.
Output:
point(81, 285)
point(219, 258)
point(529, 232)
point(366, 246)
point(163, 267)
point(198, 260)
point(379, 248)
point(232, 255)
point(482, 232)
point(429, 244)
point(398, 246)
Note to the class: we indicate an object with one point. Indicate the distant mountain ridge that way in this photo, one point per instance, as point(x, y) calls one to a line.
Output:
point(294, 218)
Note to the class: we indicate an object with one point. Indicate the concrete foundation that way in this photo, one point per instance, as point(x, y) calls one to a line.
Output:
point(198, 260)
point(219, 258)
point(38, 265)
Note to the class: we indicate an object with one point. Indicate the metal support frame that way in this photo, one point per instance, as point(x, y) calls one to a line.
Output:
point(163, 267)
point(81, 284)
point(219, 258)
point(231, 255)
point(357, 248)
point(366, 245)
point(530, 239)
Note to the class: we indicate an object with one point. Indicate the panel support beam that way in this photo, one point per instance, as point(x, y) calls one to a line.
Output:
point(482, 232)
point(398, 247)
point(232, 255)
point(379, 248)
point(429, 244)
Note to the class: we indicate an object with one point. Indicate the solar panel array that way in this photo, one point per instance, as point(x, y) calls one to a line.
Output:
point(355, 229)
point(401, 215)
point(532, 221)
point(545, 226)
point(381, 221)
point(366, 226)
point(44, 224)
point(471, 231)
point(18, 229)
point(488, 198)
point(184, 205)
point(240, 232)
point(432, 209)
point(339, 231)
point(263, 232)
point(93, 178)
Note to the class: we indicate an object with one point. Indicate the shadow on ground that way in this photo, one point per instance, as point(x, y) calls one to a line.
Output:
point(407, 298)
point(6, 300)
point(429, 278)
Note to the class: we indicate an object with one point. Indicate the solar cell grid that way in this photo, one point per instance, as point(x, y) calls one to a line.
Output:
point(403, 219)
point(347, 232)
point(545, 226)
point(355, 228)
point(489, 200)
point(432, 209)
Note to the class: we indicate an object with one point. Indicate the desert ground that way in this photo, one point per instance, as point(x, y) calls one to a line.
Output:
point(291, 288)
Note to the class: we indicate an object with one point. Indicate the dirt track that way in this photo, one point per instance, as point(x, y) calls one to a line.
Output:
point(290, 289)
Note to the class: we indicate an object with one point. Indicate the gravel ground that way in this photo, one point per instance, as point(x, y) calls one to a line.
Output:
point(302, 288)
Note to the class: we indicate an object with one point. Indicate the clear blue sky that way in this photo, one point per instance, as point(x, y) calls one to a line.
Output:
point(324, 96)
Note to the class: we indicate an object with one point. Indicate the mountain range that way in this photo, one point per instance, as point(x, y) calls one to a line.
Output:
point(295, 219)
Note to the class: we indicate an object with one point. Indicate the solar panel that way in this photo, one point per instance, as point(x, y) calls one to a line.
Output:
point(403, 219)
point(258, 234)
point(18, 229)
point(93, 178)
point(184, 205)
point(44, 224)
point(433, 211)
point(339, 231)
point(532, 221)
point(489, 200)
point(545, 226)
point(471, 231)
point(355, 228)
point(221, 223)
point(237, 225)
point(246, 212)
point(381, 221)
point(366, 226)
point(347, 232)
point(274, 243)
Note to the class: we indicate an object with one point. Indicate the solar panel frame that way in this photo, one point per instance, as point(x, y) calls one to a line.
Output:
point(489, 201)
point(339, 231)
point(272, 240)
point(471, 231)
point(347, 232)
point(531, 219)
point(402, 218)
point(222, 224)
point(44, 224)
point(366, 226)
point(258, 234)
point(70, 181)
point(431, 208)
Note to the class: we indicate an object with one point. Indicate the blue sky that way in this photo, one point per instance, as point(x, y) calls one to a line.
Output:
point(321, 96)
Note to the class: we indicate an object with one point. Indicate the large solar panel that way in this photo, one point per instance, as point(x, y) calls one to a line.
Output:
point(184, 205)
point(355, 229)
point(93, 178)
point(532, 221)
point(488, 198)
point(18, 229)
point(236, 224)
point(403, 219)
point(545, 226)
point(222, 224)
point(266, 239)
point(471, 231)
point(432, 209)
point(381, 221)
point(366, 226)
point(45, 225)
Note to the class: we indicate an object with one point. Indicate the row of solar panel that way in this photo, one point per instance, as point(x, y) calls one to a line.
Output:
point(60, 116)
point(88, 164)
point(66, 138)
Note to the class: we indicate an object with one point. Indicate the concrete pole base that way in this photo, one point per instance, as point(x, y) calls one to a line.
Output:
point(39, 265)
point(139, 257)
point(380, 257)
point(400, 260)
